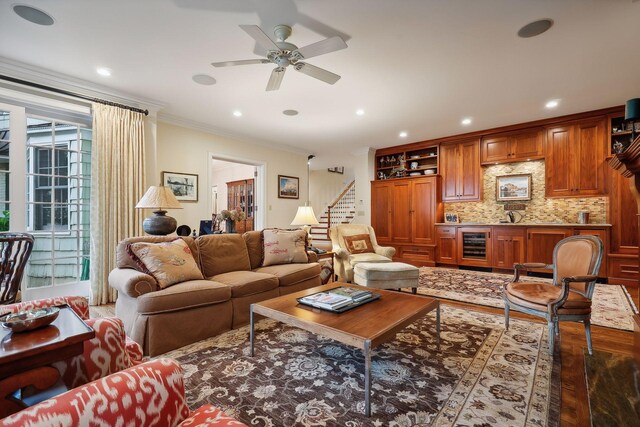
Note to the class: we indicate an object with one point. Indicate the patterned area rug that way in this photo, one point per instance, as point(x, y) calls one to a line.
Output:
point(480, 376)
point(612, 305)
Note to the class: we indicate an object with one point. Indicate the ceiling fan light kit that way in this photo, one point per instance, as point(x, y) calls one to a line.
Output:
point(283, 54)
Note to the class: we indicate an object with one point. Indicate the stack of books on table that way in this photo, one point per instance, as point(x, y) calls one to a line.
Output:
point(337, 298)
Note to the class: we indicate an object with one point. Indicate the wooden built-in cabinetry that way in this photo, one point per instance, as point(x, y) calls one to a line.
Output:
point(509, 246)
point(241, 194)
point(400, 162)
point(461, 172)
point(575, 159)
point(405, 216)
point(512, 147)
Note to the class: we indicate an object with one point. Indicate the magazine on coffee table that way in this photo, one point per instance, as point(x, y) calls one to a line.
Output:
point(339, 299)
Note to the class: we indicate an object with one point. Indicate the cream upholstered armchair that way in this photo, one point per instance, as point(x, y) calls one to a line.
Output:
point(576, 261)
point(346, 259)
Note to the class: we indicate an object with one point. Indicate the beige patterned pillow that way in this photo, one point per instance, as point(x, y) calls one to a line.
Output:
point(359, 244)
point(284, 247)
point(168, 262)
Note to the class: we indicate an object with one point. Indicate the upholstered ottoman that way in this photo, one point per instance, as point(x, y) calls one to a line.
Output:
point(386, 275)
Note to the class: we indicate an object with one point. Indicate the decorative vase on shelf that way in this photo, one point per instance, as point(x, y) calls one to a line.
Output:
point(231, 226)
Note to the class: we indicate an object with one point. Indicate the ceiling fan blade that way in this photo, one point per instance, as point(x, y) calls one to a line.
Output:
point(317, 72)
point(260, 37)
point(320, 48)
point(243, 62)
point(276, 78)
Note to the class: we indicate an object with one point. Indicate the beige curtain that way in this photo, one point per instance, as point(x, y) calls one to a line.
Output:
point(117, 183)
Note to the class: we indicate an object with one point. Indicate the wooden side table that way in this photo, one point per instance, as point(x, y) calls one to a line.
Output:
point(327, 271)
point(26, 357)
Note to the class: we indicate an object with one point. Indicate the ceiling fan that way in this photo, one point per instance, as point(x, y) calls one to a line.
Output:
point(283, 54)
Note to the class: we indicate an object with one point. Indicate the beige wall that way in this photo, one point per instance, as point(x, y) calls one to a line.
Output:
point(325, 186)
point(227, 173)
point(363, 163)
point(181, 149)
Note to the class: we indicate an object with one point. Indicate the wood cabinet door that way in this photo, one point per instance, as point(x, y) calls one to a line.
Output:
point(604, 236)
point(624, 215)
point(449, 170)
point(494, 150)
point(509, 246)
point(558, 164)
point(423, 209)
point(469, 171)
point(588, 154)
point(381, 199)
point(526, 146)
point(446, 251)
point(400, 212)
point(542, 241)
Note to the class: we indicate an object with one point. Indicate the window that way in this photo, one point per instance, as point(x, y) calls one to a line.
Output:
point(4, 170)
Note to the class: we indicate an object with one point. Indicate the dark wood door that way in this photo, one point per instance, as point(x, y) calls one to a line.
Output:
point(381, 199)
point(400, 211)
point(624, 214)
point(495, 150)
point(588, 154)
point(558, 164)
point(469, 171)
point(423, 209)
point(446, 251)
point(542, 241)
point(449, 166)
point(526, 146)
point(509, 246)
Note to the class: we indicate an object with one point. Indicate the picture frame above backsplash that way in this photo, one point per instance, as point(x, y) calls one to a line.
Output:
point(513, 187)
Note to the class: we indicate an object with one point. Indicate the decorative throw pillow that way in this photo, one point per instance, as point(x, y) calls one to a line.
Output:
point(168, 262)
point(284, 247)
point(359, 244)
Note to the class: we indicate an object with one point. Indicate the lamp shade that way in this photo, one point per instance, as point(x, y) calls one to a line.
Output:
point(159, 197)
point(305, 216)
point(632, 110)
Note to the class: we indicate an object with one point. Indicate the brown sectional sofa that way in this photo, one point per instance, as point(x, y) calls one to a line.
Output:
point(165, 319)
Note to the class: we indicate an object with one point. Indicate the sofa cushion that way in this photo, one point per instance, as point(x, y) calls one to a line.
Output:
point(253, 239)
point(284, 246)
point(183, 296)
point(221, 253)
point(357, 258)
point(124, 260)
point(168, 262)
point(359, 244)
point(244, 283)
point(291, 274)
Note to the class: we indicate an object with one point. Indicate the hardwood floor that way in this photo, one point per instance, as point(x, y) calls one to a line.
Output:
point(574, 409)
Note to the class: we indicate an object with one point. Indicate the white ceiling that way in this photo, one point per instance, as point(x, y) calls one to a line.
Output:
point(413, 65)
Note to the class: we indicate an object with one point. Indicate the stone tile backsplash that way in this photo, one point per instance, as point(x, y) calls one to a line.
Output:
point(538, 209)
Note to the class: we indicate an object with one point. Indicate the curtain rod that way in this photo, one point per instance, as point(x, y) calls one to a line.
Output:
point(75, 95)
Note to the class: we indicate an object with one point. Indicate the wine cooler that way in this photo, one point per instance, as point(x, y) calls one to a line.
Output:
point(474, 246)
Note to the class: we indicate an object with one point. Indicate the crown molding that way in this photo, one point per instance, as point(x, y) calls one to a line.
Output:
point(213, 130)
point(43, 76)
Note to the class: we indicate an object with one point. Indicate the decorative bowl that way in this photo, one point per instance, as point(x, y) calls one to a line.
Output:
point(429, 171)
point(417, 156)
point(29, 320)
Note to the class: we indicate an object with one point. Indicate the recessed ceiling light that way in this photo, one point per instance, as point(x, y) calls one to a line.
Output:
point(403, 134)
point(360, 112)
point(535, 28)
point(104, 72)
point(204, 79)
point(466, 121)
point(552, 104)
point(237, 113)
point(290, 112)
point(32, 14)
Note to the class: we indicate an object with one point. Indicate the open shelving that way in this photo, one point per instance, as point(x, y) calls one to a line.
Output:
point(407, 163)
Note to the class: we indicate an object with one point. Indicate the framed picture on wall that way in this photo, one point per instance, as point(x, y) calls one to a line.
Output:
point(513, 187)
point(183, 185)
point(288, 187)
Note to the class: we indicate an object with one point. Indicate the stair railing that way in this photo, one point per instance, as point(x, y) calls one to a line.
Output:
point(339, 206)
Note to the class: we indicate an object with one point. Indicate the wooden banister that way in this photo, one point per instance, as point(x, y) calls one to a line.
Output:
point(335, 202)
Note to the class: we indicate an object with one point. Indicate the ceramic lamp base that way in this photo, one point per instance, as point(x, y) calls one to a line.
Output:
point(159, 224)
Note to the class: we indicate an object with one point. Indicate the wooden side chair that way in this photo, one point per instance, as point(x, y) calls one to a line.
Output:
point(15, 250)
point(576, 262)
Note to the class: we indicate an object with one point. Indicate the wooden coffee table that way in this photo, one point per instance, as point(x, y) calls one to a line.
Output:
point(363, 327)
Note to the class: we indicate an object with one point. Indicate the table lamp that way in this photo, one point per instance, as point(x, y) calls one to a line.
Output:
point(160, 198)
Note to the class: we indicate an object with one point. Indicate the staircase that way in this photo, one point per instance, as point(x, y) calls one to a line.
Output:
point(340, 211)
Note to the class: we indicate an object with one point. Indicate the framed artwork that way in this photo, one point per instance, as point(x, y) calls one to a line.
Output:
point(513, 187)
point(288, 187)
point(451, 218)
point(338, 169)
point(183, 185)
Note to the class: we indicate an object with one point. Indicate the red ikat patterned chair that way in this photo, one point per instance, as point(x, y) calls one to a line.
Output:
point(149, 394)
point(110, 351)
